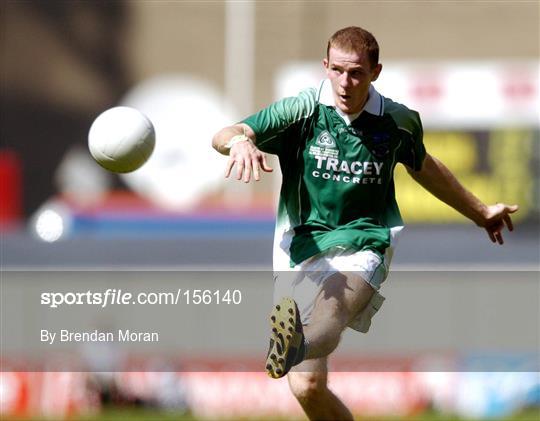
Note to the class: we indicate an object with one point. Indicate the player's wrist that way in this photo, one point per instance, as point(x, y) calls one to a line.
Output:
point(481, 215)
point(235, 140)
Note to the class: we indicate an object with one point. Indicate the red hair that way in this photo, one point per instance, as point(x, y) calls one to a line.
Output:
point(354, 38)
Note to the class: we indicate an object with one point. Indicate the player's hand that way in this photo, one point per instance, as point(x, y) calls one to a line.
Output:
point(249, 161)
point(495, 219)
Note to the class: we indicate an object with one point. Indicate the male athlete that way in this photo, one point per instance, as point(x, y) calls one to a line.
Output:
point(338, 217)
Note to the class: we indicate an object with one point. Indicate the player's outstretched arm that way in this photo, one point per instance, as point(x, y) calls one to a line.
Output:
point(238, 142)
point(436, 178)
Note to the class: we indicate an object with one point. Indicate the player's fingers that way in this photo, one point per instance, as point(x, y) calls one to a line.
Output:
point(247, 172)
point(491, 236)
point(499, 237)
point(265, 165)
point(496, 231)
point(508, 221)
point(229, 167)
point(239, 169)
point(512, 208)
point(255, 165)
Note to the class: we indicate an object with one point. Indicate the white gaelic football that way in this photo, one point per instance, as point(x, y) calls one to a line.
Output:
point(186, 113)
point(121, 139)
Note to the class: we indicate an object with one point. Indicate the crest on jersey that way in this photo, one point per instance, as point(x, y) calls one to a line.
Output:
point(326, 140)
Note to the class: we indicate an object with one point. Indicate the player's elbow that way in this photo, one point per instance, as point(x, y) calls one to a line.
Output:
point(412, 172)
point(423, 168)
point(214, 142)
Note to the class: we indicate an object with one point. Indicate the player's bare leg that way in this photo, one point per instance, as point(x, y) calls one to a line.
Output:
point(341, 298)
point(309, 384)
point(339, 301)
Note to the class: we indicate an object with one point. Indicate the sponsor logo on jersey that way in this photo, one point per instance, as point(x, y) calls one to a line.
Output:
point(356, 172)
point(318, 151)
point(326, 140)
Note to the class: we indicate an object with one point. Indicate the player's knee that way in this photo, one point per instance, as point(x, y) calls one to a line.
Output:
point(308, 387)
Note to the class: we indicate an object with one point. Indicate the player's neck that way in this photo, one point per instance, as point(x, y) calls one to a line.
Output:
point(349, 118)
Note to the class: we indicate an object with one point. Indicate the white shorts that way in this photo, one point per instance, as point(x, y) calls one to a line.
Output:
point(304, 282)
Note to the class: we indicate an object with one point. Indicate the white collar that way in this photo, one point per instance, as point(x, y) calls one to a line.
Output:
point(374, 104)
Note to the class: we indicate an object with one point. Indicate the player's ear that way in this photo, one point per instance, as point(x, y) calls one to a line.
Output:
point(326, 65)
point(376, 72)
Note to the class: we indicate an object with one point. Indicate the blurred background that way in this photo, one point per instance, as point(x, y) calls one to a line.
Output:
point(470, 68)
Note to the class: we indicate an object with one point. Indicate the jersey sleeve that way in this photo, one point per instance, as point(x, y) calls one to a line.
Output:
point(273, 124)
point(411, 151)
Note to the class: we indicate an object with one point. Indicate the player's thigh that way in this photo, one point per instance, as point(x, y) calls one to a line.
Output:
point(342, 296)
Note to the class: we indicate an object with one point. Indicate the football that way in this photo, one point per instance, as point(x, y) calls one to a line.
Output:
point(121, 139)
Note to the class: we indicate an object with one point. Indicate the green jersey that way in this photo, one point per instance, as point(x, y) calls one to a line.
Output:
point(338, 187)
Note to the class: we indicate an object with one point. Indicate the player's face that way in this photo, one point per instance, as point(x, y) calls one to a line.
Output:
point(351, 74)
